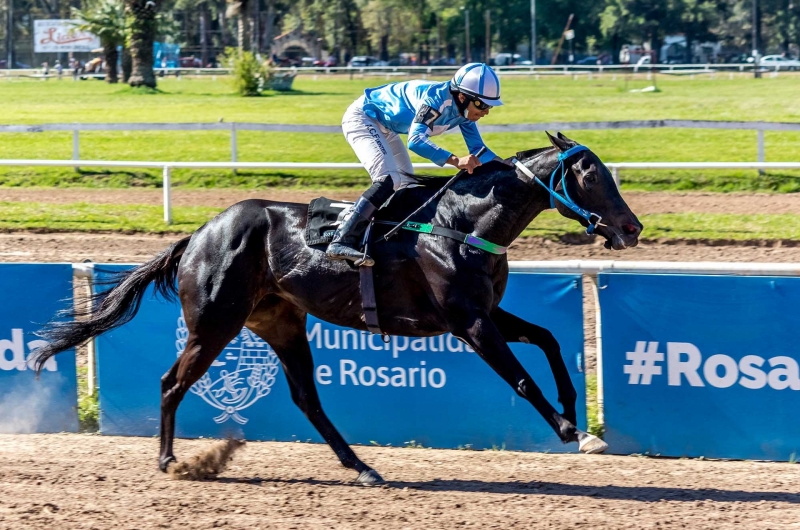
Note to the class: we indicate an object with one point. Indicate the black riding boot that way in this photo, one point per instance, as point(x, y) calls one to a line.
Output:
point(347, 239)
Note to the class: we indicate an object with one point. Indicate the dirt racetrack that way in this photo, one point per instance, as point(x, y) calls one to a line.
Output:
point(97, 482)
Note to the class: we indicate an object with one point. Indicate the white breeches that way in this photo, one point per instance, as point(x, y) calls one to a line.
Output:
point(380, 150)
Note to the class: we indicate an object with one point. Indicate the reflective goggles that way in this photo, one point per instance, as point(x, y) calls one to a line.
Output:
point(480, 104)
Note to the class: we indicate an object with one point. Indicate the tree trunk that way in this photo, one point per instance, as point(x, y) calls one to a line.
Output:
point(269, 24)
point(255, 27)
point(384, 48)
point(203, 36)
point(688, 55)
point(111, 57)
point(127, 64)
point(141, 17)
point(243, 20)
point(223, 28)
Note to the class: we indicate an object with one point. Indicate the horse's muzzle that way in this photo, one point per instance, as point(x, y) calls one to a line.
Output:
point(625, 236)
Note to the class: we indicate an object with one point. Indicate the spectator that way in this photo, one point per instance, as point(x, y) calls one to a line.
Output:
point(59, 69)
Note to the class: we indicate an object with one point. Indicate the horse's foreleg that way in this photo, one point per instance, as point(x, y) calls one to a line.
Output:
point(283, 326)
point(485, 338)
point(515, 329)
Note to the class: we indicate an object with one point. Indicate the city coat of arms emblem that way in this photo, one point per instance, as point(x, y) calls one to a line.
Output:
point(241, 375)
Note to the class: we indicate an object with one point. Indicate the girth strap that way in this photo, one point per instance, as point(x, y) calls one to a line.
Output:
point(468, 239)
point(369, 305)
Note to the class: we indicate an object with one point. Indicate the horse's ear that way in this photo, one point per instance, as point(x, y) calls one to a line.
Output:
point(572, 143)
point(558, 141)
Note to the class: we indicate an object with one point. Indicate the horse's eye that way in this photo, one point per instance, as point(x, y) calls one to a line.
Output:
point(590, 179)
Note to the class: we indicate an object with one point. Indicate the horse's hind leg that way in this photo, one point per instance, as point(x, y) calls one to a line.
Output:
point(203, 345)
point(212, 323)
point(283, 326)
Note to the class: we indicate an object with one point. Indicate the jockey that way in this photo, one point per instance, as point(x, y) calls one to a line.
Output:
point(420, 109)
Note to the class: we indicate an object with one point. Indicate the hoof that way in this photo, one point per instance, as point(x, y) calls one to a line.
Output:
point(591, 444)
point(163, 463)
point(369, 477)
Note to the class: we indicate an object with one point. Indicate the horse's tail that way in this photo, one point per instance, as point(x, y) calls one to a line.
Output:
point(113, 307)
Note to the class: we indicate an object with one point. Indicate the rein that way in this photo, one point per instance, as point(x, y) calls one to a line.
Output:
point(487, 246)
point(428, 228)
point(592, 218)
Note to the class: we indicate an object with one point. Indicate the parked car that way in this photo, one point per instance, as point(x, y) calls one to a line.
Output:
point(366, 60)
point(190, 62)
point(441, 61)
point(779, 62)
point(17, 64)
point(588, 60)
point(506, 59)
point(330, 62)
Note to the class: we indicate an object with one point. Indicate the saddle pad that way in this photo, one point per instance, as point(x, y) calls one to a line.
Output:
point(323, 217)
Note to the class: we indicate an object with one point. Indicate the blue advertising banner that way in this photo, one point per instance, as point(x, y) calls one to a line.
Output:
point(701, 365)
point(32, 293)
point(430, 390)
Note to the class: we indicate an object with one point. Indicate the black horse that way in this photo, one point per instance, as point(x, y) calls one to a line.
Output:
point(250, 266)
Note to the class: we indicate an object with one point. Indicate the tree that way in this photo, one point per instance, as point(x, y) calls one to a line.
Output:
point(641, 20)
point(339, 22)
point(142, 25)
point(696, 19)
point(241, 10)
point(105, 19)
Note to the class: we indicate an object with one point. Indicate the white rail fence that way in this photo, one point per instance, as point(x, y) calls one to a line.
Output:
point(232, 129)
point(167, 167)
point(446, 70)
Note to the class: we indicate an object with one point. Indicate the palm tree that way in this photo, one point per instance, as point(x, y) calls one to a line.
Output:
point(142, 29)
point(241, 9)
point(106, 19)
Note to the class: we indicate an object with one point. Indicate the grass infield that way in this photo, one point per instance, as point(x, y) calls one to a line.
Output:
point(324, 99)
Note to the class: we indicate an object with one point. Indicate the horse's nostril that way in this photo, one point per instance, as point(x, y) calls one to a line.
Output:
point(629, 229)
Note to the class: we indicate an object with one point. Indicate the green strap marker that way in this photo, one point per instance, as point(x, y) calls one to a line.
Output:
point(469, 239)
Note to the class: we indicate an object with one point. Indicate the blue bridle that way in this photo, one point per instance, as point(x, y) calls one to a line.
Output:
point(592, 218)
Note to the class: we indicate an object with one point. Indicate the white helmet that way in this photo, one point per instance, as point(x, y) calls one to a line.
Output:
point(479, 81)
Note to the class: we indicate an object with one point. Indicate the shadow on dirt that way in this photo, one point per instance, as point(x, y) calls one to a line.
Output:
point(634, 493)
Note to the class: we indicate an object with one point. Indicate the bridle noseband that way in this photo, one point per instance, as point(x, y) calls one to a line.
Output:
point(592, 218)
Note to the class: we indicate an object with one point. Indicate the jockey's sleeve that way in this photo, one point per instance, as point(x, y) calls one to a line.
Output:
point(474, 142)
point(419, 136)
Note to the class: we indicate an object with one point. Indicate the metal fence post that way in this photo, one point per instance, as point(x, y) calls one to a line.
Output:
point(760, 149)
point(167, 204)
point(233, 144)
point(598, 349)
point(76, 146)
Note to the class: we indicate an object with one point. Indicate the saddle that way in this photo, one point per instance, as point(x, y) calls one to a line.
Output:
point(324, 215)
